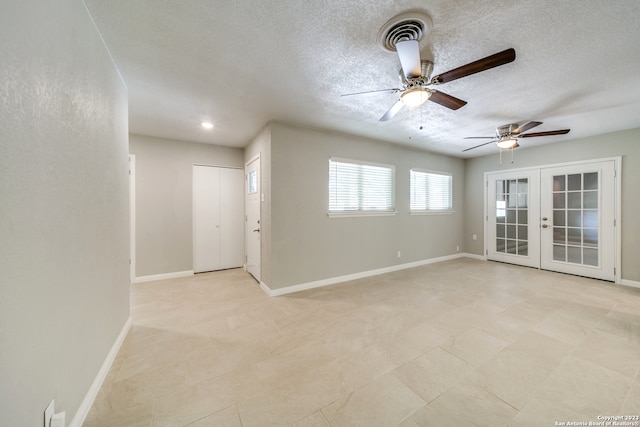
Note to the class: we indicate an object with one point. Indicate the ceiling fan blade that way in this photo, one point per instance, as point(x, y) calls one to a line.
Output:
point(446, 100)
point(392, 111)
point(549, 133)
point(409, 54)
point(479, 137)
point(526, 127)
point(483, 64)
point(477, 146)
point(372, 92)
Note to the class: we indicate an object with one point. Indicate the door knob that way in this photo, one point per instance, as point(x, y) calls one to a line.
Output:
point(544, 225)
point(256, 230)
point(544, 218)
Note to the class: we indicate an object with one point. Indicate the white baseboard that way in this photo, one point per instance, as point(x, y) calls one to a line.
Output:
point(631, 283)
point(163, 276)
point(354, 276)
point(90, 397)
point(474, 256)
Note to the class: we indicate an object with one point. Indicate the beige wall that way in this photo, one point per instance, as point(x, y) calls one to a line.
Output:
point(624, 143)
point(307, 245)
point(64, 230)
point(164, 199)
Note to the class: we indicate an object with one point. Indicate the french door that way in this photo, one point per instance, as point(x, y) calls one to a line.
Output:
point(559, 218)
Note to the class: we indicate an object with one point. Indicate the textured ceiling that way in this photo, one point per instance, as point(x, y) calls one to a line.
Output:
point(243, 63)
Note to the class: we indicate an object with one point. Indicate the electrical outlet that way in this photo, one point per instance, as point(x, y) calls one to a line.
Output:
point(48, 413)
point(398, 254)
point(457, 248)
point(475, 237)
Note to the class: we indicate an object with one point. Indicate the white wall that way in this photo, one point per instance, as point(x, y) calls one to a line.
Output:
point(307, 245)
point(164, 199)
point(624, 143)
point(64, 245)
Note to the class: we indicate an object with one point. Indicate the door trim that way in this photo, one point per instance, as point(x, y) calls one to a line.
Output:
point(132, 218)
point(617, 160)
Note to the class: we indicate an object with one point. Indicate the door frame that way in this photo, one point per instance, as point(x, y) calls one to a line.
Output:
point(132, 218)
point(617, 160)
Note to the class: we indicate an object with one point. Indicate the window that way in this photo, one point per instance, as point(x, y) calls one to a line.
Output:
point(252, 182)
point(358, 187)
point(430, 191)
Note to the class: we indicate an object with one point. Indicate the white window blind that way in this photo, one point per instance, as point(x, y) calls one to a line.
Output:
point(360, 187)
point(430, 191)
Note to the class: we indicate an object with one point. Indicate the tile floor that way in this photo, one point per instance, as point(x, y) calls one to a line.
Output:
point(458, 343)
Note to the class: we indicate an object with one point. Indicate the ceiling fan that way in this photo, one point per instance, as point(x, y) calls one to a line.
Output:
point(507, 136)
point(415, 77)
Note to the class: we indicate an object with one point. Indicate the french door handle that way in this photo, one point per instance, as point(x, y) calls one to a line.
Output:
point(544, 218)
point(256, 230)
point(544, 225)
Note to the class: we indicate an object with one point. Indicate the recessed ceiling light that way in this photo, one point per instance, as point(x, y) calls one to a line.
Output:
point(207, 125)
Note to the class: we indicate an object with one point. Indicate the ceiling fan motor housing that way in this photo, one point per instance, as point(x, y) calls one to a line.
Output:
point(506, 130)
point(426, 67)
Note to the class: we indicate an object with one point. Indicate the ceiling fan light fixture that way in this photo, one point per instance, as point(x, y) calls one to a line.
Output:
point(507, 143)
point(415, 97)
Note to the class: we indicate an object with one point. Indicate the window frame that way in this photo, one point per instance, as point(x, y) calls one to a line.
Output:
point(447, 211)
point(361, 212)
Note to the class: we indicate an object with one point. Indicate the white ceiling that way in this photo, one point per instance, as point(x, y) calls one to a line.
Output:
point(243, 63)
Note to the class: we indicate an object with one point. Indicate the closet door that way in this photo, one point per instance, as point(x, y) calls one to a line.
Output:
point(231, 218)
point(218, 218)
point(206, 218)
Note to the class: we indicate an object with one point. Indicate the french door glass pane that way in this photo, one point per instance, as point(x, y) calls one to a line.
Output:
point(558, 200)
point(590, 200)
point(574, 237)
point(575, 182)
point(590, 237)
point(574, 255)
point(590, 257)
point(574, 200)
point(573, 219)
point(591, 181)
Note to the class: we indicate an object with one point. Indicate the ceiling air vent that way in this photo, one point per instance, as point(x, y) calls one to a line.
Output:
point(412, 25)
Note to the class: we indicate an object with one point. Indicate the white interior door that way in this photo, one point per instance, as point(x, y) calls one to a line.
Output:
point(558, 218)
point(512, 215)
point(578, 219)
point(218, 212)
point(231, 218)
point(252, 211)
point(206, 219)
